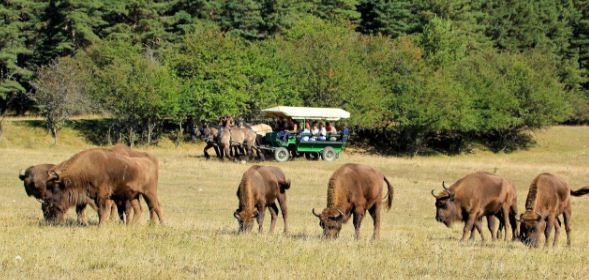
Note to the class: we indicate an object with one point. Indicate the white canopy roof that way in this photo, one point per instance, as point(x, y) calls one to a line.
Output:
point(331, 114)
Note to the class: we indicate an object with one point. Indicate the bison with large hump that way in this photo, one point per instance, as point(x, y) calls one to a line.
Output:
point(35, 182)
point(477, 195)
point(260, 188)
point(548, 197)
point(352, 190)
point(102, 174)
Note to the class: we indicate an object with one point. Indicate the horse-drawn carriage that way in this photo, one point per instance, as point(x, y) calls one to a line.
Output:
point(284, 145)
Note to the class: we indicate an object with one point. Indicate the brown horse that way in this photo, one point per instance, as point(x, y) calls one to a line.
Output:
point(240, 140)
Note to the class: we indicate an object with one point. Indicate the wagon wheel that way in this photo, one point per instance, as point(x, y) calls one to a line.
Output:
point(328, 154)
point(281, 154)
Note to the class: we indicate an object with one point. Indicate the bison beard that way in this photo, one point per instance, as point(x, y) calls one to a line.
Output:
point(492, 197)
point(353, 189)
point(101, 174)
point(259, 189)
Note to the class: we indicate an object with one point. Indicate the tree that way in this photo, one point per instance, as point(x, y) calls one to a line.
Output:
point(393, 18)
point(132, 85)
point(60, 93)
point(18, 23)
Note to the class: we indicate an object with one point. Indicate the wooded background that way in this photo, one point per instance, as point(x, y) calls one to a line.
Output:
point(416, 75)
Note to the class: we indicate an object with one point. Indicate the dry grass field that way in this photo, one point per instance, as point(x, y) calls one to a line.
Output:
point(200, 240)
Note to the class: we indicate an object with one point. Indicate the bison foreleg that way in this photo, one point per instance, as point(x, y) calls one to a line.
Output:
point(549, 224)
point(260, 219)
point(506, 222)
point(103, 209)
point(358, 216)
point(137, 211)
point(81, 214)
point(491, 226)
point(273, 214)
point(479, 227)
point(468, 225)
point(556, 233)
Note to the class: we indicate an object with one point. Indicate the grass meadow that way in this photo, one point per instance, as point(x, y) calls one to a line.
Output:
point(199, 239)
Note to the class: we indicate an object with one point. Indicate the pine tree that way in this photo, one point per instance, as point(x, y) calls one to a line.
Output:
point(18, 20)
point(393, 18)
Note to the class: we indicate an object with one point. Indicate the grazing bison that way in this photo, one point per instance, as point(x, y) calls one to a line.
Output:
point(353, 189)
point(102, 174)
point(548, 197)
point(35, 179)
point(478, 195)
point(259, 189)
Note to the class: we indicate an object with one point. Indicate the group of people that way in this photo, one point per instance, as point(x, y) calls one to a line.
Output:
point(316, 131)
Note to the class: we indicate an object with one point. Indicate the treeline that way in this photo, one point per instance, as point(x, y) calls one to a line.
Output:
point(417, 75)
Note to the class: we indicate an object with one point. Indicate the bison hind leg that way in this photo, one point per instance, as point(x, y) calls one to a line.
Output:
point(375, 214)
point(273, 214)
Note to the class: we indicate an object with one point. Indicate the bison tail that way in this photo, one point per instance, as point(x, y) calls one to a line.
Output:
point(580, 192)
point(285, 185)
point(389, 196)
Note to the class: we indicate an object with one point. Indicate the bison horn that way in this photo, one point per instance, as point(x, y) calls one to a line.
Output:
point(316, 215)
point(21, 174)
point(340, 211)
point(236, 215)
point(444, 185)
point(433, 194)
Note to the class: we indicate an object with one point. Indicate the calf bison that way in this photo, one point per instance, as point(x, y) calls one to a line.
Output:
point(102, 174)
point(478, 195)
point(353, 189)
point(548, 197)
point(259, 189)
point(35, 179)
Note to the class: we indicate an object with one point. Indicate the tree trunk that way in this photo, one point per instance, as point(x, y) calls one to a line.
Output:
point(179, 134)
point(108, 137)
point(53, 131)
point(131, 136)
point(149, 132)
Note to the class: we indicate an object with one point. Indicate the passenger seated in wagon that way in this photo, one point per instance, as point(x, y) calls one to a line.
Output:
point(331, 132)
point(306, 133)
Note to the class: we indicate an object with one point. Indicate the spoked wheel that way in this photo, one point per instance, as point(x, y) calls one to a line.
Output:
point(281, 154)
point(328, 154)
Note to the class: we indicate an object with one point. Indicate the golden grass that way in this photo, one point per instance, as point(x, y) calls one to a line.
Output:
point(200, 241)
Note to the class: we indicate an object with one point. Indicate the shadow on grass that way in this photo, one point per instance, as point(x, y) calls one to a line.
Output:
point(68, 223)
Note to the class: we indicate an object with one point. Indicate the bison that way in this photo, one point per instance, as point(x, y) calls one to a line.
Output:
point(35, 179)
point(259, 189)
point(353, 189)
point(102, 174)
point(478, 195)
point(548, 197)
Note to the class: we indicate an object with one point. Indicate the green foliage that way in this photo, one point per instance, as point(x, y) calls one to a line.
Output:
point(421, 74)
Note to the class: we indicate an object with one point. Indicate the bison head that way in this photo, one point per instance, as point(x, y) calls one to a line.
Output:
point(446, 209)
point(245, 219)
point(531, 226)
point(55, 204)
point(331, 220)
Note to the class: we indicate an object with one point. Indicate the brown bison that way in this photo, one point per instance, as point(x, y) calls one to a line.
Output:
point(353, 189)
point(259, 189)
point(478, 195)
point(35, 179)
point(548, 197)
point(102, 174)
